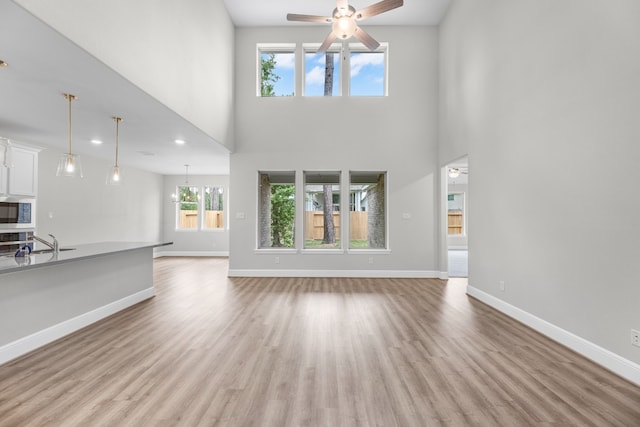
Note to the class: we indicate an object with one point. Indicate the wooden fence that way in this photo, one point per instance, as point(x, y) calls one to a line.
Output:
point(314, 225)
point(212, 219)
point(455, 222)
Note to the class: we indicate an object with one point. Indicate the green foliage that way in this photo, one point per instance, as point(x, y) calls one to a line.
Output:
point(188, 197)
point(283, 209)
point(268, 75)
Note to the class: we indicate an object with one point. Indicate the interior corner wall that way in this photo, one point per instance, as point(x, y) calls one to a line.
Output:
point(544, 95)
point(87, 210)
point(179, 52)
point(193, 242)
point(397, 134)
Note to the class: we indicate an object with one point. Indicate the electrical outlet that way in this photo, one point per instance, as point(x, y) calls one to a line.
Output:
point(635, 338)
point(277, 260)
point(502, 285)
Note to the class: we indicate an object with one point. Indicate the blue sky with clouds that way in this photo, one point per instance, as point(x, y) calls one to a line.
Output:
point(366, 74)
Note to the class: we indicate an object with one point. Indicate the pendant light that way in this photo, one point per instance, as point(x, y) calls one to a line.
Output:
point(188, 196)
point(113, 176)
point(69, 164)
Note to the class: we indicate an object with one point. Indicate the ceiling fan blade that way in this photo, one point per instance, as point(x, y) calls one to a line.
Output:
point(366, 39)
point(378, 8)
point(308, 18)
point(326, 44)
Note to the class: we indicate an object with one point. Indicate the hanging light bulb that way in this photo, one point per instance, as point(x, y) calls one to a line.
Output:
point(69, 164)
point(113, 176)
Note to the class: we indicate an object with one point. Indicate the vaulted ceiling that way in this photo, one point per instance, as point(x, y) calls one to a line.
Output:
point(33, 111)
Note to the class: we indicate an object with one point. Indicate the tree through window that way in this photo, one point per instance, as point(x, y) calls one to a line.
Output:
point(277, 209)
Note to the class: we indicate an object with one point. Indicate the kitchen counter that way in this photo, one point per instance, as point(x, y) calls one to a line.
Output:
point(9, 263)
point(45, 296)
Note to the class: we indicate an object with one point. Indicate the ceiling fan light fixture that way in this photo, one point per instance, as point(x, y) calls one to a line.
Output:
point(344, 27)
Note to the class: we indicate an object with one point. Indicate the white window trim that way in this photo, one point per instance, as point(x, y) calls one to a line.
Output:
point(278, 48)
point(312, 48)
point(357, 48)
point(204, 210)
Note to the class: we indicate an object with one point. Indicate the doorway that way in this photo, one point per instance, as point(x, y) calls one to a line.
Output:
point(457, 218)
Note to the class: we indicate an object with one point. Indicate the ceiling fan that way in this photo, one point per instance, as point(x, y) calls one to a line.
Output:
point(345, 21)
point(456, 172)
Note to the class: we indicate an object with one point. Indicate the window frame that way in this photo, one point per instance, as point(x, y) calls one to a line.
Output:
point(312, 48)
point(361, 48)
point(387, 248)
point(271, 249)
point(225, 222)
point(276, 48)
point(338, 233)
point(178, 210)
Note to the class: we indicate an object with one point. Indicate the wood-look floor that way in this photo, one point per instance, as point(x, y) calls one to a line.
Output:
point(209, 350)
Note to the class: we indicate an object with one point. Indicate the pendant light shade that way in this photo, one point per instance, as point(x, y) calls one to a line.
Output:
point(69, 164)
point(113, 176)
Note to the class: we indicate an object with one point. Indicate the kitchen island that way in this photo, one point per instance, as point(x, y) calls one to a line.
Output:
point(46, 296)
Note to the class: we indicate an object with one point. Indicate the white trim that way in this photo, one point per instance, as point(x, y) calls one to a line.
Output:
point(611, 361)
point(192, 253)
point(381, 274)
point(458, 248)
point(31, 342)
point(443, 275)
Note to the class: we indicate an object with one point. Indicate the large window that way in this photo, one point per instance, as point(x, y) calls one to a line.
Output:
point(367, 210)
point(276, 70)
point(213, 208)
point(187, 208)
point(367, 72)
point(322, 210)
point(322, 72)
point(276, 210)
point(362, 72)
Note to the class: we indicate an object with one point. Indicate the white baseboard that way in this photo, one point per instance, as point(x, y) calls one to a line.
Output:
point(615, 363)
point(373, 274)
point(191, 253)
point(29, 343)
point(444, 275)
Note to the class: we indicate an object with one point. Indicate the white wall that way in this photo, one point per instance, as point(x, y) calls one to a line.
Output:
point(179, 52)
point(193, 242)
point(87, 210)
point(395, 134)
point(546, 93)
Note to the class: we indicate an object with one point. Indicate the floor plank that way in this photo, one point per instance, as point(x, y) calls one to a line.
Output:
point(209, 350)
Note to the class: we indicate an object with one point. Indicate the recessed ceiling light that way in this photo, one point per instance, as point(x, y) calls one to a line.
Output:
point(96, 141)
point(3, 64)
point(180, 141)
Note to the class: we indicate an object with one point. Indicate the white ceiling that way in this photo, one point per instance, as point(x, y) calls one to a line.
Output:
point(258, 13)
point(43, 64)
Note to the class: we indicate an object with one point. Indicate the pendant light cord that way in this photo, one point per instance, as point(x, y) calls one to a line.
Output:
point(117, 120)
point(70, 98)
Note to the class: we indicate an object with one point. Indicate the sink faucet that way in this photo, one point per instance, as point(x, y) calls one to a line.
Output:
point(54, 245)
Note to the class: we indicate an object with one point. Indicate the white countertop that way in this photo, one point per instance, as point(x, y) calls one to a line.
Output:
point(9, 263)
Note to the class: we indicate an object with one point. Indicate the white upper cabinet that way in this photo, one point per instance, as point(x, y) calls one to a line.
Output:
point(3, 180)
point(22, 178)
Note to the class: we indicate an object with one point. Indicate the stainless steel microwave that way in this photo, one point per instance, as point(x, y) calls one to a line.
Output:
point(17, 213)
